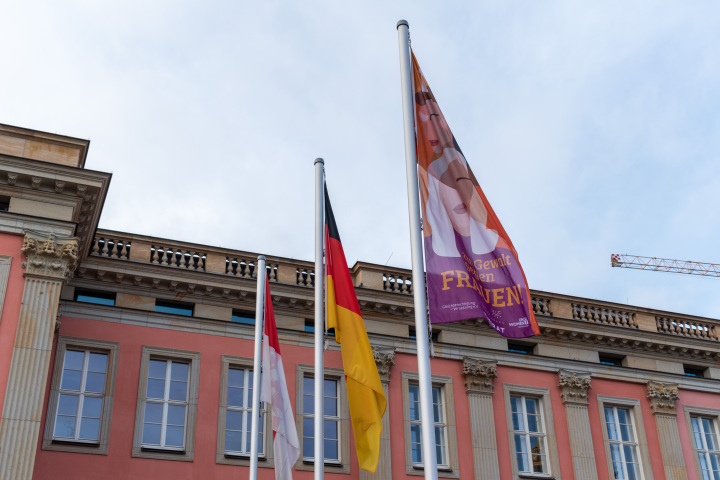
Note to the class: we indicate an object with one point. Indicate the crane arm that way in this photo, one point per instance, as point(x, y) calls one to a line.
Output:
point(665, 265)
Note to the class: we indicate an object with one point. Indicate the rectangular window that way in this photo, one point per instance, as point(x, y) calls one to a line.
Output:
point(82, 388)
point(610, 360)
point(238, 417)
point(528, 435)
point(331, 414)
point(336, 420)
point(310, 326)
point(80, 403)
point(626, 446)
point(98, 298)
point(705, 438)
point(167, 404)
point(4, 203)
point(174, 308)
point(245, 318)
point(623, 443)
point(440, 426)
point(692, 371)
point(520, 348)
point(444, 436)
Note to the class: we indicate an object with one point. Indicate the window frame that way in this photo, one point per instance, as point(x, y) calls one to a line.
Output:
point(624, 443)
point(691, 411)
point(545, 409)
point(527, 434)
point(265, 461)
point(632, 404)
point(5, 264)
point(167, 453)
point(111, 349)
point(451, 469)
point(337, 374)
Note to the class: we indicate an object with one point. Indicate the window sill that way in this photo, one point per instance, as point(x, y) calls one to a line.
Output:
point(79, 443)
point(439, 468)
point(328, 463)
point(537, 476)
point(238, 456)
point(171, 451)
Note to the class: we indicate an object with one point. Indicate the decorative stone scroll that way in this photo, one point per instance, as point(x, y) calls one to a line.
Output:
point(384, 359)
point(479, 375)
point(574, 387)
point(662, 397)
point(50, 255)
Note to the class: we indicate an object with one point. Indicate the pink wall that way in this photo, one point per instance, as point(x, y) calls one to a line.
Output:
point(533, 378)
point(119, 464)
point(10, 245)
point(624, 390)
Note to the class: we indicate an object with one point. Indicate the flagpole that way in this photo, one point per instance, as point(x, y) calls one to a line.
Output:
point(418, 276)
point(319, 318)
point(259, 317)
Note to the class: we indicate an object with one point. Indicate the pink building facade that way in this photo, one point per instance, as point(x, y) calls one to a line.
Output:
point(129, 356)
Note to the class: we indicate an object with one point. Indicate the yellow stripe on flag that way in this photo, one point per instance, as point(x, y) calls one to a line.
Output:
point(366, 397)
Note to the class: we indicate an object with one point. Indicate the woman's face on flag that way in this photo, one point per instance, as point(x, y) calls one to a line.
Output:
point(436, 129)
point(457, 190)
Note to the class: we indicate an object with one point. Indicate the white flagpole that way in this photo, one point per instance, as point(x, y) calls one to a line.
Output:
point(418, 277)
point(319, 318)
point(259, 320)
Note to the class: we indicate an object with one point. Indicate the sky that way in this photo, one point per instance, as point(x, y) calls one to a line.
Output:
point(592, 127)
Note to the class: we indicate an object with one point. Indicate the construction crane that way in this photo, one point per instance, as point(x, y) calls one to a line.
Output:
point(665, 265)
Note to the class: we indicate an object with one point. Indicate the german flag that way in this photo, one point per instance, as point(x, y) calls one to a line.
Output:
point(365, 393)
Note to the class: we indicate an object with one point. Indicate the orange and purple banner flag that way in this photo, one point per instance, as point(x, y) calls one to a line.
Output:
point(472, 267)
point(366, 397)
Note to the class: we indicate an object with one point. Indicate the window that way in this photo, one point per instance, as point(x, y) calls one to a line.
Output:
point(626, 447)
point(174, 308)
point(80, 406)
point(246, 318)
point(533, 446)
point(445, 438)
point(310, 326)
point(692, 371)
point(610, 359)
point(4, 203)
point(336, 420)
point(528, 435)
point(99, 298)
point(440, 426)
point(703, 428)
point(520, 348)
point(167, 404)
point(705, 436)
point(623, 443)
point(235, 415)
point(331, 415)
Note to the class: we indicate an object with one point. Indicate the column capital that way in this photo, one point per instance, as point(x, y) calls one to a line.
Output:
point(574, 387)
point(384, 359)
point(479, 375)
point(662, 397)
point(50, 255)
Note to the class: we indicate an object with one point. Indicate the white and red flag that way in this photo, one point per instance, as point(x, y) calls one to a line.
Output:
point(274, 392)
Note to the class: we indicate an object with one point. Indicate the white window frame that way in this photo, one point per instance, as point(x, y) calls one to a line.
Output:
point(187, 452)
point(266, 456)
point(526, 434)
point(546, 416)
point(167, 402)
point(450, 468)
point(100, 447)
point(643, 451)
point(624, 443)
point(709, 413)
point(342, 464)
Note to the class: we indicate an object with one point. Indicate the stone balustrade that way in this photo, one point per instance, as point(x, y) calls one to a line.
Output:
point(398, 281)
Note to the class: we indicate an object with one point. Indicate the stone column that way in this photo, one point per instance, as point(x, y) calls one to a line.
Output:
point(574, 388)
point(50, 261)
point(384, 359)
point(479, 376)
point(662, 404)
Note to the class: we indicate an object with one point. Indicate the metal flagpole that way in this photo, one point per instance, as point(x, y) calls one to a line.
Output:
point(259, 321)
point(418, 277)
point(319, 317)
